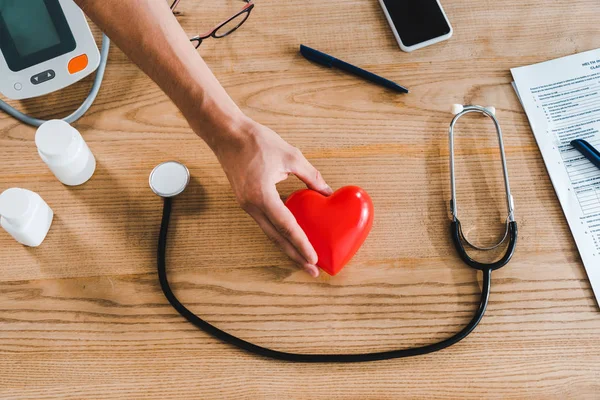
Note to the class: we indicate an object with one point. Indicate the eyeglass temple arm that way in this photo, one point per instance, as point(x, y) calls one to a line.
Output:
point(174, 4)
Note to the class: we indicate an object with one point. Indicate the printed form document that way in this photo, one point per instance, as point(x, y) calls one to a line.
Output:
point(562, 101)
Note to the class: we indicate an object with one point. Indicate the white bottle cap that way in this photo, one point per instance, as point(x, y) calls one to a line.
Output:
point(65, 152)
point(25, 216)
point(15, 206)
point(56, 140)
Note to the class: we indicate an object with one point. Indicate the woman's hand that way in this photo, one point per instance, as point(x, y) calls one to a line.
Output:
point(255, 162)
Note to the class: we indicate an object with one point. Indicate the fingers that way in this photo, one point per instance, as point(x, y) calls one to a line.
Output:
point(265, 224)
point(284, 221)
point(308, 174)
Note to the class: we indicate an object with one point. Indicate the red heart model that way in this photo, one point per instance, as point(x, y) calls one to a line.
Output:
point(336, 226)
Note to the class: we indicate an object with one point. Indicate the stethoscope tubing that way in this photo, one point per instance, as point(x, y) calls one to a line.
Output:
point(457, 237)
point(298, 357)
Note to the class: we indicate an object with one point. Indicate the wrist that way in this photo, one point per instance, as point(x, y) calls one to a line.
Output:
point(219, 122)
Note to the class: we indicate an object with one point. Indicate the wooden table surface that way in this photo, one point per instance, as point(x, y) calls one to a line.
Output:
point(83, 316)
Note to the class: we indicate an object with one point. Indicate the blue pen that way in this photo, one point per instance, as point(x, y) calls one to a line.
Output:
point(587, 150)
point(329, 61)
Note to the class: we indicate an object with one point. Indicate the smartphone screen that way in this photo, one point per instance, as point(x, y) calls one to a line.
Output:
point(417, 21)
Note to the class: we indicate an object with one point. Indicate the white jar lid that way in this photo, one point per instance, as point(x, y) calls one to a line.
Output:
point(169, 179)
point(14, 204)
point(56, 139)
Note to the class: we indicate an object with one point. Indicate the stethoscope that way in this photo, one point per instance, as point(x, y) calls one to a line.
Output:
point(510, 232)
point(171, 178)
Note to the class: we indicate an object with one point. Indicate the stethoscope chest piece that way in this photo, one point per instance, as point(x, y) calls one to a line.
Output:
point(169, 179)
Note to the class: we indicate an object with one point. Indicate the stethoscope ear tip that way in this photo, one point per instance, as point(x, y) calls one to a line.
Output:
point(457, 109)
point(169, 179)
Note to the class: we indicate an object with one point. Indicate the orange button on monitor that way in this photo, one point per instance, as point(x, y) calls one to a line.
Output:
point(78, 64)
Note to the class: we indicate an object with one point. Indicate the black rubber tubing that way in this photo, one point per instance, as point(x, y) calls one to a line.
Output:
point(455, 231)
point(297, 357)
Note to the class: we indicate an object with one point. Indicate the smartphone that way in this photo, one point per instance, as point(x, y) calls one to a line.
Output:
point(417, 23)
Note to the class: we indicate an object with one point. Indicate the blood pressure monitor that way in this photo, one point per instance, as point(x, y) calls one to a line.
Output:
point(45, 45)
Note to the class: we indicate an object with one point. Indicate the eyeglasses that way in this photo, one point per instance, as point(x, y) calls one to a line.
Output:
point(226, 27)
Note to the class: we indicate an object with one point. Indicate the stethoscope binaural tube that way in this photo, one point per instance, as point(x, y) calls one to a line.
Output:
point(163, 180)
point(458, 236)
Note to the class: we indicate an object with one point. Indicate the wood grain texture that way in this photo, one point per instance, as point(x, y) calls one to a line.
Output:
point(83, 317)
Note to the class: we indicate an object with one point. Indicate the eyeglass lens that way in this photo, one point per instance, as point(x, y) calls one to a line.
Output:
point(231, 25)
point(225, 28)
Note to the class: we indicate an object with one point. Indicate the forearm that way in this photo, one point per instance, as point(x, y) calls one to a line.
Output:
point(253, 157)
point(149, 34)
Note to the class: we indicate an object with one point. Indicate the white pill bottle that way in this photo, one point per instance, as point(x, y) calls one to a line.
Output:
point(25, 216)
point(65, 152)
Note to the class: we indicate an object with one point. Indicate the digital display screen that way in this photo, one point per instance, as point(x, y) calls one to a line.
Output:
point(32, 32)
point(417, 21)
point(29, 24)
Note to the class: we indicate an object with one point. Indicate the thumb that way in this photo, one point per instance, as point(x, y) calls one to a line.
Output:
point(311, 176)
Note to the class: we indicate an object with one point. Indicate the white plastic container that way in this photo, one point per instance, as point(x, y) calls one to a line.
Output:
point(25, 216)
point(65, 152)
